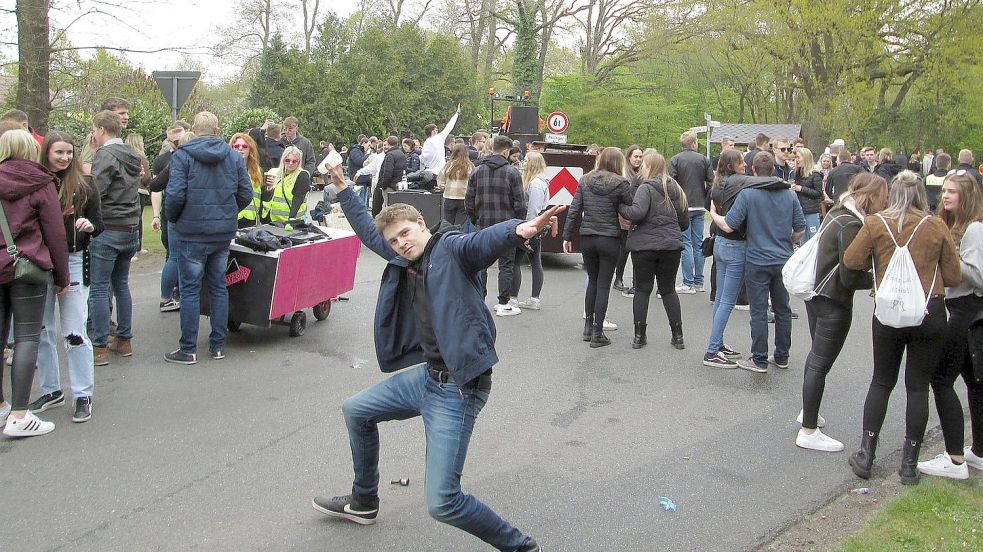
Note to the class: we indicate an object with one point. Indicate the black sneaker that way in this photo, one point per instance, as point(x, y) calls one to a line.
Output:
point(718, 360)
point(217, 355)
point(729, 353)
point(352, 507)
point(44, 402)
point(530, 546)
point(180, 357)
point(630, 292)
point(83, 410)
point(619, 285)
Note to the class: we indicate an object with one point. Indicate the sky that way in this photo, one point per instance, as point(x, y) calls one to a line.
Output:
point(154, 24)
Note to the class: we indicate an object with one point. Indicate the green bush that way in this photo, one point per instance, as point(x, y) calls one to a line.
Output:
point(245, 120)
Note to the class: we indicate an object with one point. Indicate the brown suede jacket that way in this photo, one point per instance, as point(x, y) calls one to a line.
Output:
point(931, 247)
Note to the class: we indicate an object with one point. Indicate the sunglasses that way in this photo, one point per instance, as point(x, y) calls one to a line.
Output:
point(786, 150)
point(291, 161)
point(240, 146)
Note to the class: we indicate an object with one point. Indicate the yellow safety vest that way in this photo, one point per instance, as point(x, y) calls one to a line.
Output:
point(283, 195)
point(932, 180)
point(255, 207)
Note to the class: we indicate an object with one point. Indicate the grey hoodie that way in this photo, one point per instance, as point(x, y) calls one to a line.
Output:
point(116, 174)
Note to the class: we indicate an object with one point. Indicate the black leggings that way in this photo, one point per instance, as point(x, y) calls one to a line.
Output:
point(378, 200)
point(924, 346)
point(829, 324)
point(956, 360)
point(619, 271)
point(26, 303)
point(649, 267)
point(600, 257)
point(535, 262)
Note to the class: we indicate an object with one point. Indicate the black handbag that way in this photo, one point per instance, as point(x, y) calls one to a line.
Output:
point(707, 246)
point(26, 271)
point(974, 336)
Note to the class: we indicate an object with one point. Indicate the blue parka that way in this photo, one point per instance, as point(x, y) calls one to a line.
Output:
point(207, 187)
point(462, 323)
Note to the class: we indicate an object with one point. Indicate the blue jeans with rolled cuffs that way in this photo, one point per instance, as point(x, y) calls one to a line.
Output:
point(448, 413)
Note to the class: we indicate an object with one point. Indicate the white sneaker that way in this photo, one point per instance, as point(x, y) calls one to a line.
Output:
point(821, 422)
point(533, 303)
point(608, 326)
point(972, 459)
point(514, 302)
point(28, 426)
point(817, 441)
point(507, 310)
point(4, 412)
point(942, 466)
point(742, 307)
point(685, 290)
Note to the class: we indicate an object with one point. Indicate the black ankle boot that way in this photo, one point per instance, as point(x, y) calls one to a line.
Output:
point(588, 327)
point(677, 335)
point(909, 462)
point(639, 340)
point(862, 460)
point(597, 337)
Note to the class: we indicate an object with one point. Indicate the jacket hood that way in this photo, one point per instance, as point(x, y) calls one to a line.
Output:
point(733, 184)
point(495, 161)
point(130, 160)
point(209, 150)
point(604, 183)
point(20, 177)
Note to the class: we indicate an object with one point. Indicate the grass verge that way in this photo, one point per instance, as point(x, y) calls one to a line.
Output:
point(938, 514)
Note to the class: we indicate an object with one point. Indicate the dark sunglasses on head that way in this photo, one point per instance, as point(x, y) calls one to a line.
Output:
point(960, 172)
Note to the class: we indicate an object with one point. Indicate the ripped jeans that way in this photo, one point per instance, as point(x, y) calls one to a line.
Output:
point(74, 310)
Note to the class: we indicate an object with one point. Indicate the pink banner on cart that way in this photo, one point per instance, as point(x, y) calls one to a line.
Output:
point(313, 273)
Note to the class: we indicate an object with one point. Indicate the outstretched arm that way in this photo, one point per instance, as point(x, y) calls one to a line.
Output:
point(479, 250)
point(358, 217)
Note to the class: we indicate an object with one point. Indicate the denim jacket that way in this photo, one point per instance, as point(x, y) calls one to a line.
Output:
point(463, 325)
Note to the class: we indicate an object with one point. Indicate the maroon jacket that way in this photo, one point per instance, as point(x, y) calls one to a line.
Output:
point(27, 192)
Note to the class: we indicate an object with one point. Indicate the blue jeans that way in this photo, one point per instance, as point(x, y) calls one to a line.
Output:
point(199, 261)
point(448, 413)
point(692, 255)
point(74, 310)
point(110, 254)
point(762, 281)
point(168, 276)
point(729, 256)
point(812, 226)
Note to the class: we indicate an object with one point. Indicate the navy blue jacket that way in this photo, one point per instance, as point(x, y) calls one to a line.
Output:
point(207, 187)
point(463, 325)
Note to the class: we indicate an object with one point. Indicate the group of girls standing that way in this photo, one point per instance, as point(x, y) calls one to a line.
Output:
point(52, 212)
point(861, 232)
point(655, 213)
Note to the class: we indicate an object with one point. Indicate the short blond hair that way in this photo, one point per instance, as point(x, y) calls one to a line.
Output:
point(688, 139)
point(19, 144)
point(205, 123)
point(397, 212)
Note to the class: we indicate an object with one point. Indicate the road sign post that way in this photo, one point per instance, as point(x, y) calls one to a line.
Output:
point(176, 86)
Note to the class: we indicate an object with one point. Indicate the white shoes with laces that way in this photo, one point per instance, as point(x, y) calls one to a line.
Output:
point(942, 466)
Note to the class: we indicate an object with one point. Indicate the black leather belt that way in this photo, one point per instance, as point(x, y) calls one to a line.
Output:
point(444, 376)
point(118, 228)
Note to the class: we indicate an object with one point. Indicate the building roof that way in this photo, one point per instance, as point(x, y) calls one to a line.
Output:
point(745, 133)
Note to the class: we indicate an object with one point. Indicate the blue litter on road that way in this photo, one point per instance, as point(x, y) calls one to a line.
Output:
point(667, 504)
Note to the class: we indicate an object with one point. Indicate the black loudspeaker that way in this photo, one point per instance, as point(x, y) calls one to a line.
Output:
point(524, 120)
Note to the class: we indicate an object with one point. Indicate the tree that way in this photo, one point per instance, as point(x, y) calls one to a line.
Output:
point(310, 22)
point(34, 52)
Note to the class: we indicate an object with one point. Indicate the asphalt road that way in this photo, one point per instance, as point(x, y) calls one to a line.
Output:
point(575, 446)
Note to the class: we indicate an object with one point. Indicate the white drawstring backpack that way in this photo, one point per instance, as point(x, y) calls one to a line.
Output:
point(799, 272)
point(900, 301)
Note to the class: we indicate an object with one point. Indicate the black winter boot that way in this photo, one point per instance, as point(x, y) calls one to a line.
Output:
point(639, 340)
point(677, 335)
point(588, 327)
point(909, 462)
point(597, 337)
point(862, 460)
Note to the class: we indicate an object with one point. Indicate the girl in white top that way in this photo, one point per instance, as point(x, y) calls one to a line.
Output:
point(536, 188)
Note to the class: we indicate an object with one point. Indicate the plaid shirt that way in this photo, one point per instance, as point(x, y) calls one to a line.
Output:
point(494, 193)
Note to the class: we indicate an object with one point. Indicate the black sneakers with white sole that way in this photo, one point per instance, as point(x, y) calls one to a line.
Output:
point(361, 510)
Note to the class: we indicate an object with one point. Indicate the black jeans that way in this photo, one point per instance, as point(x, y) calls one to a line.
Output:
point(829, 324)
point(535, 262)
point(923, 345)
point(619, 271)
point(600, 257)
point(506, 268)
point(661, 267)
point(26, 303)
point(453, 211)
point(955, 361)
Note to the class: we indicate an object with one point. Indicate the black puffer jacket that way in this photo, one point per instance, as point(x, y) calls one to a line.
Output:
point(811, 193)
point(598, 196)
point(841, 226)
point(657, 226)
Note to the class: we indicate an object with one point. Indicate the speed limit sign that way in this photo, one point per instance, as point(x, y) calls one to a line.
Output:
point(557, 122)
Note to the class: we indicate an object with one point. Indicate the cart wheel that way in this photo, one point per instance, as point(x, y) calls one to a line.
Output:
point(298, 323)
point(234, 325)
point(322, 310)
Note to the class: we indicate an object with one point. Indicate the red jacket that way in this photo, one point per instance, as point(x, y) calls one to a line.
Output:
point(30, 202)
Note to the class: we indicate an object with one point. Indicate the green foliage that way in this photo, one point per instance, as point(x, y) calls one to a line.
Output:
point(525, 56)
point(242, 121)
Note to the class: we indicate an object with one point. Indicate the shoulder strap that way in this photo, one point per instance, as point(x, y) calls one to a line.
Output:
point(889, 232)
point(7, 237)
point(912, 236)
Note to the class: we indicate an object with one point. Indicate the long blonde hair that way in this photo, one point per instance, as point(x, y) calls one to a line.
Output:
point(535, 166)
point(970, 205)
point(291, 150)
point(906, 194)
point(656, 165)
